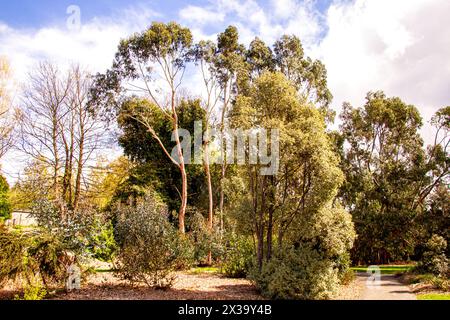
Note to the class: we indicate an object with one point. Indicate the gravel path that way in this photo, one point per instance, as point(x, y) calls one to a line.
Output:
point(389, 288)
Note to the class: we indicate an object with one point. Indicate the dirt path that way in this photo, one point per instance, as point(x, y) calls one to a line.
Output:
point(389, 288)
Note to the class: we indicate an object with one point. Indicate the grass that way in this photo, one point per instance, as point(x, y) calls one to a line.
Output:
point(387, 269)
point(198, 270)
point(434, 296)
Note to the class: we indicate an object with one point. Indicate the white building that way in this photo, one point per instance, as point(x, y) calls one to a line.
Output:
point(21, 218)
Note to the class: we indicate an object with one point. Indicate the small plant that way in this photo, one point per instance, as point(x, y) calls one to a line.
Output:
point(33, 291)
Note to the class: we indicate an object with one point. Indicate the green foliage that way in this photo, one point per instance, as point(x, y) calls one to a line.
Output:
point(434, 259)
point(437, 282)
point(309, 77)
point(33, 291)
point(76, 229)
point(13, 246)
point(239, 256)
point(295, 209)
point(149, 246)
point(103, 245)
point(5, 205)
point(297, 273)
point(34, 258)
point(386, 168)
point(153, 169)
point(47, 255)
point(202, 240)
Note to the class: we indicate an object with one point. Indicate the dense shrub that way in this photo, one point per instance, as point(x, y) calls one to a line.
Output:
point(149, 246)
point(297, 273)
point(33, 258)
point(434, 259)
point(238, 257)
point(74, 228)
point(12, 253)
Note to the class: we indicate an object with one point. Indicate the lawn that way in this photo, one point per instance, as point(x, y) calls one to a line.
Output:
point(434, 296)
point(198, 270)
point(387, 269)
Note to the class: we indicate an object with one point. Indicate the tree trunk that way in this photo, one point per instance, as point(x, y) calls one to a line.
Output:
point(55, 151)
point(210, 193)
point(224, 165)
point(271, 207)
point(79, 169)
point(184, 195)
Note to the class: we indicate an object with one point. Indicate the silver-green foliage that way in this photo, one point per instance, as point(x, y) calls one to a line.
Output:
point(150, 248)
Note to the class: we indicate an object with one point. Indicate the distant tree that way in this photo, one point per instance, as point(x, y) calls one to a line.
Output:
point(230, 67)
point(281, 205)
point(388, 176)
point(5, 205)
point(106, 178)
point(259, 58)
point(34, 183)
point(57, 130)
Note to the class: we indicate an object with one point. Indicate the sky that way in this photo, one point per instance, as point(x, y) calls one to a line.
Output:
point(401, 47)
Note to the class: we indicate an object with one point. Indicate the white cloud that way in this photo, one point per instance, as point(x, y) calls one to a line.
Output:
point(93, 46)
point(401, 47)
point(200, 16)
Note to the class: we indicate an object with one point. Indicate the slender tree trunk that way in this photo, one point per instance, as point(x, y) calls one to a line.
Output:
point(55, 151)
point(210, 192)
point(224, 165)
point(270, 220)
point(184, 195)
point(79, 169)
point(70, 166)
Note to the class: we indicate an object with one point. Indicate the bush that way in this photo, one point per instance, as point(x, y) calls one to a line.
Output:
point(297, 273)
point(33, 291)
point(48, 256)
point(35, 259)
point(238, 257)
point(434, 259)
point(12, 253)
point(149, 246)
point(75, 229)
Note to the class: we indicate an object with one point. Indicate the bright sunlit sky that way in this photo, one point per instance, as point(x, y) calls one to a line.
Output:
point(399, 46)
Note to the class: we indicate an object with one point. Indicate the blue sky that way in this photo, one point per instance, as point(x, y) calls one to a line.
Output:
point(35, 14)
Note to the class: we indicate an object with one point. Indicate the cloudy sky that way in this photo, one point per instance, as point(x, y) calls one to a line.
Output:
point(399, 46)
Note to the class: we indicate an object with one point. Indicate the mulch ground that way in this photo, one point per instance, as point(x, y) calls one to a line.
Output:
point(188, 286)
